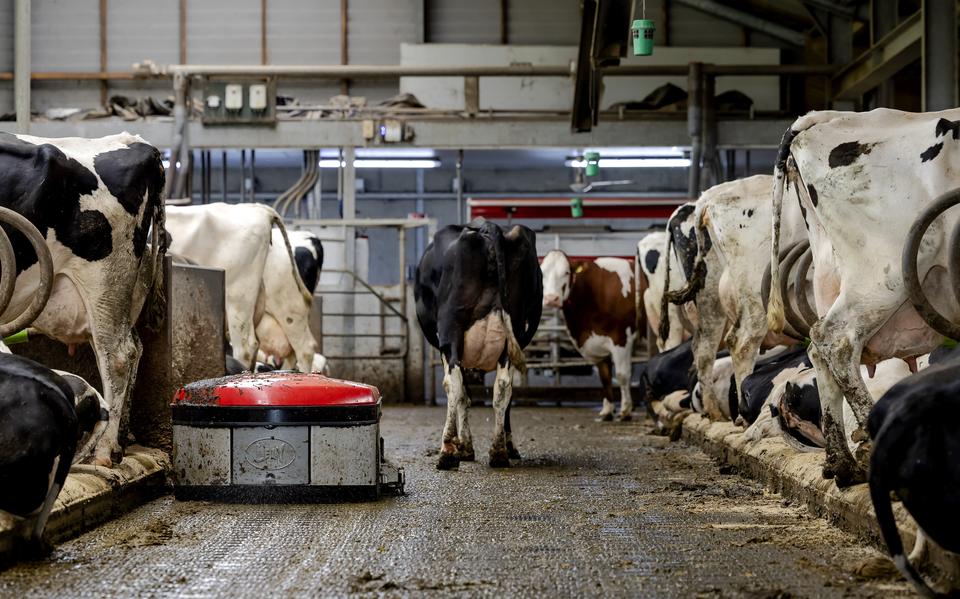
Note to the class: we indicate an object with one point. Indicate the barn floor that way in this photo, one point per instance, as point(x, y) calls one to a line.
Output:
point(594, 509)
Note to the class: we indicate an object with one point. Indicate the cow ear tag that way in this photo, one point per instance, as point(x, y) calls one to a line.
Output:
point(579, 269)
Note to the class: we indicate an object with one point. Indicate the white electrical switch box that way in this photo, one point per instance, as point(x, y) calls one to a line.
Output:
point(234, 97)
point(258, 96)
point(213, 101)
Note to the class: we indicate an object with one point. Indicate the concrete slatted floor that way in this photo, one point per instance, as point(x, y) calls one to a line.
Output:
point(594, 509)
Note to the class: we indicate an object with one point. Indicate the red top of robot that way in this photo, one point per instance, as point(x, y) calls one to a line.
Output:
point(277, 389)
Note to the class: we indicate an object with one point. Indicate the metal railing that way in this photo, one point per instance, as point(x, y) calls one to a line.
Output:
point(384, 302)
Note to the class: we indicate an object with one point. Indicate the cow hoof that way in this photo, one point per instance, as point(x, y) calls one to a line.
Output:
point(845, 474)
point(448, 461)
point(513, 453)
point(626, 417)
point(101, 461)
point(606, 417)
point(859, 436)
point(36, 549)
point(499, 459)
point(466, 455)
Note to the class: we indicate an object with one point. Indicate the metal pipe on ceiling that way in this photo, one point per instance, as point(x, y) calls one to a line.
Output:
point(394, 72)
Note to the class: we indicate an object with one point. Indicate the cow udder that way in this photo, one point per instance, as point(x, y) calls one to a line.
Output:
point(483, 342)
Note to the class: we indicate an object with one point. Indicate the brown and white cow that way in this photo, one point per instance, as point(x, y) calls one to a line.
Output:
point(597, 298)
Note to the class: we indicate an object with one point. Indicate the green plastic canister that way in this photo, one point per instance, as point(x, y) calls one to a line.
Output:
point(593, 163)
point(576, 207)
point(643, 37)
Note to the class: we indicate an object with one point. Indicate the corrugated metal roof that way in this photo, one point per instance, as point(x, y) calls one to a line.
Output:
point(129, 41)
point(302, 32)
point(6, 35)
point(378, 27)
point(223, 33)
point(464, 21)
point(544, 22)
point(65, 35)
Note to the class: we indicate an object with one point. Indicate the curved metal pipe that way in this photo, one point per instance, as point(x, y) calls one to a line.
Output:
point(765, 284)
point(953, 261)
point(303, 185)
point(908, 263)
point(40, 298)
point(765, 289)
point(807, 313)
point(8, 271)
point(791, 315)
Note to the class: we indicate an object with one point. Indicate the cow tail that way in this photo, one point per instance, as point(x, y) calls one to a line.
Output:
point(156, 301)
point(699, 274)
point(514, 352)
point(637, 299)
point(664, 329)
point(278, 222)
point(880, 495)
point(776, 319)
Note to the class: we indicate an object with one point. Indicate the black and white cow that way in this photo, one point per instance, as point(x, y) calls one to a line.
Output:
point(768, 373)
point(43, 418)
point(664, 374)
point(729, 232)
point(308, 255)
point(915, 449)
point(479, 294)
point(861, 180)
point(650, 268)
point(94, 200)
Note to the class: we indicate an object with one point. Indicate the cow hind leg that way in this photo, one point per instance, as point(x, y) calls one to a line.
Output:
point(706, 342)
point(604, 369)
point(511, 449)
point(744, 342)
point(453, 387)
point(502, 389)
point(839, 338)
point(464, 441)
point(623, 368)
point(118, 351)
point(840, 463)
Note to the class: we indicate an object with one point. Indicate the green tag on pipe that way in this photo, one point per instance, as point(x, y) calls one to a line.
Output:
point(18, 337)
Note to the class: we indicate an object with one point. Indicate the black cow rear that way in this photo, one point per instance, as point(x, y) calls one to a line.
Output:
point(38, 438)
point(479, 295)
point(915, 446)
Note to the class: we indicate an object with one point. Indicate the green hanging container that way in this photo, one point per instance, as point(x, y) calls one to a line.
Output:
point(593, 163)
point(643, 37)
point(576, 207)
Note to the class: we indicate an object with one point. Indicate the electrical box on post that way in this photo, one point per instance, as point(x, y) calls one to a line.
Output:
point(234, 97)
point(258, 96)
point(239, 101)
